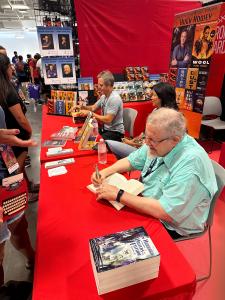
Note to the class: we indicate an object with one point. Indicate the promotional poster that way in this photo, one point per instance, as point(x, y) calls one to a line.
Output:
point(55, 41)
point(192, 48)
point(59, 70)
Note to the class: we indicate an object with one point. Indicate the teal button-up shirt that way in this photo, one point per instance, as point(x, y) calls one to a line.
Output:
point(183, 181)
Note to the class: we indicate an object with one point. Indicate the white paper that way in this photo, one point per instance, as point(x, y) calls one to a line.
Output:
point(57, 171)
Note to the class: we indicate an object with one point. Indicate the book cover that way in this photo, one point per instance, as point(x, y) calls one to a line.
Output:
point(202, 79)
point(192, 77)
point(181, 77)
point(51, 106)
point(66, 133)
point(85, 83)
point(69, 105)
point(172, 76)
point(122, 248)
point(163, 77)
point(83, 98)
point(189, 99)
point(60, 107)
point(122, 259)
point(52, 143)
point(180, 96)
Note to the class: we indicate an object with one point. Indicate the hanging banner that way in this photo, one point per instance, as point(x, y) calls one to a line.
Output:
point(192, 49)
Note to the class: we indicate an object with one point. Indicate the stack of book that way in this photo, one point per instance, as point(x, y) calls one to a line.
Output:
point(123, 259)
point(137, 73)
point(61, 102)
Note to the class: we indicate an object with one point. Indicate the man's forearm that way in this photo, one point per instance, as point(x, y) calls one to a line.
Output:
point(121, 166)
point(148, 206)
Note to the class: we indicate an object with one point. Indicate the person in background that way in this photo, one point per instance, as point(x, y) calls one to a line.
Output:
point(34, 72)
point(181, 56)
point(162, 95)
point(14, 109)
point(178, 176)
point(3, 50)
point(21, 69)
point(14, 228)
point(15, 58)
point(111, 107)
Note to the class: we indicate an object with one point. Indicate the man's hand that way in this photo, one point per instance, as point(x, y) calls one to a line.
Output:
point(174, 62)
point(83, 113)
point(186, 58)
point(74, 108)
point(97, 181)
point(107, 192)
point(8, 136)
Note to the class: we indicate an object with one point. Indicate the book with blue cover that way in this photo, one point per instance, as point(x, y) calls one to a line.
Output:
point(60, 107)
point(123, 258)
point(181, 77)
point(85, 83)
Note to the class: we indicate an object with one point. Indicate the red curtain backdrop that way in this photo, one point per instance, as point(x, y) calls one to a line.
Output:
point(217, 67)
point(119, 33)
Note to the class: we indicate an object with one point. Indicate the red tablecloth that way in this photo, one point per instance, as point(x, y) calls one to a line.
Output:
point(144, 109)
point(222, 155)
point(68, 216)
point(52, 124)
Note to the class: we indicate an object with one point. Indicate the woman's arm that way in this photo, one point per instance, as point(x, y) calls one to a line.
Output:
point(20, 117)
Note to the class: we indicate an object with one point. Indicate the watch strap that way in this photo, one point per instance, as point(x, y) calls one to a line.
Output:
point(119, 195)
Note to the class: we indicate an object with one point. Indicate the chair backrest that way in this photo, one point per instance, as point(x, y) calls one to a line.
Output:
point(220, 178)
point(212, 106)
point(129, 116)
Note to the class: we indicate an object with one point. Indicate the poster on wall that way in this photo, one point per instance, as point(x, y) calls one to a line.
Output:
point(67, 70)
point(55, 41)
point(192, 48)
point(59, 70)
point(50, 70)
point(47, 41)
point(64, 41)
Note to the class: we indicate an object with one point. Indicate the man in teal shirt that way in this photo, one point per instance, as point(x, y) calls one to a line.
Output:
point(178, 177)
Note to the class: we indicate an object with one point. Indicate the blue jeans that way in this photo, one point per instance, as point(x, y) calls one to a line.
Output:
point(121, 150)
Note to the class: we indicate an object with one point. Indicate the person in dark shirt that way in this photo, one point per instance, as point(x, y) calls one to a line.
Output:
point(181, 53)
point(14, 108)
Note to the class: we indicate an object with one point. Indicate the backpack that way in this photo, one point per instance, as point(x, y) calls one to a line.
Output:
point(20, 67)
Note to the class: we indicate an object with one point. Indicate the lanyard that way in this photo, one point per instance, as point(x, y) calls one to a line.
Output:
point(150, 168)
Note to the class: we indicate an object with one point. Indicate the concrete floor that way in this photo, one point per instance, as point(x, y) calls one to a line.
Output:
point(14, 262)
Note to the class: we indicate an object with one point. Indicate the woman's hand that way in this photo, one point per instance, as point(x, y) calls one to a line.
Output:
point(107, 192)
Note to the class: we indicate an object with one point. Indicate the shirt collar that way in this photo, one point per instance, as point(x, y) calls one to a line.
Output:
point(169, 157)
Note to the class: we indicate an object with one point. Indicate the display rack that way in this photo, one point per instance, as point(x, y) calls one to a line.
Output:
point(63, 10)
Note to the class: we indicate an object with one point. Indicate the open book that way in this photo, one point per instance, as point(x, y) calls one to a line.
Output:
point(131, 186)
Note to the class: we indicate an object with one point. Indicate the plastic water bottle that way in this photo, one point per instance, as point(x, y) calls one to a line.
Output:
point(95, 127)
point(102, 152)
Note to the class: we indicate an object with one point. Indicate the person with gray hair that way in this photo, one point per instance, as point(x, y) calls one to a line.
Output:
point(111, 106)
point(178, 177)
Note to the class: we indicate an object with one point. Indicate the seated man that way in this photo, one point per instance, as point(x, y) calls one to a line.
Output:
point(177, 174)
point(111, 108)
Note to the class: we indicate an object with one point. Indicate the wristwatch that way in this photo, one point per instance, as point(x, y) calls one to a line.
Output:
point(119, 195)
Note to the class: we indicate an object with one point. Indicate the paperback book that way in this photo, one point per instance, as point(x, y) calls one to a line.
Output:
point(131, 186)
point(122, 259)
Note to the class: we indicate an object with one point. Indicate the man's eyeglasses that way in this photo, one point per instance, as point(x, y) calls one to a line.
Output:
point(151, 141)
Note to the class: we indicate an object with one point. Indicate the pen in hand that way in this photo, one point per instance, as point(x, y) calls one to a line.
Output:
point(98, 175)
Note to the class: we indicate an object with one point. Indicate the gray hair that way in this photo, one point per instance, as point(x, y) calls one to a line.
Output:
point(107, 77)
point(169, 120)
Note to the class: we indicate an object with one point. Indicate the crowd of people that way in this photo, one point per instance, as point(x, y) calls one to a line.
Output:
point(178, 177)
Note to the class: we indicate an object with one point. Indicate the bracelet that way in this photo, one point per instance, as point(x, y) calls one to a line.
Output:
point(119, 195)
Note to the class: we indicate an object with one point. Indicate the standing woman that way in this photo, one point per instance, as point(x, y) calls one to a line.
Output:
point(14, 109)
point(163, 95)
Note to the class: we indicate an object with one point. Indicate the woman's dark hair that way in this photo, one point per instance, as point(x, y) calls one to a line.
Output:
point(5, 84)
point(166, 94)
